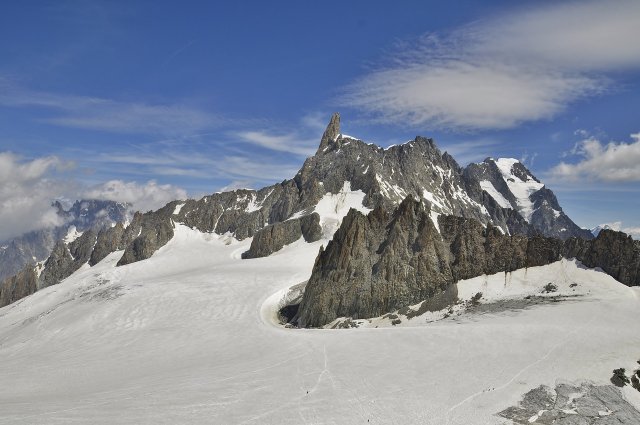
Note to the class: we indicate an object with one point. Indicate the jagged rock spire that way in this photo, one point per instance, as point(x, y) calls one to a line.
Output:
point(330, 134)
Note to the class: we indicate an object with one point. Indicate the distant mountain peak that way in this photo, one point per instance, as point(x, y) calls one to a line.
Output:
point(605, 226)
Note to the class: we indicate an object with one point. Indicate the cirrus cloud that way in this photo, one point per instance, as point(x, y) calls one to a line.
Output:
point(102, 114)
point(496, 74)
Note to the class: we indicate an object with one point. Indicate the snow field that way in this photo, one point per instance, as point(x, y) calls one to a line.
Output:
point(186, 337)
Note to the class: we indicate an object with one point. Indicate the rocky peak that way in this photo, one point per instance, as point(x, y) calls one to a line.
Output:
point(434, 182)
point(330, 134)
point(511, 186)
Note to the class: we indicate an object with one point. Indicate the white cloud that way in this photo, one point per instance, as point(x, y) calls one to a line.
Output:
point(26, 190)
point(291, 143)
point(143, 197)
point(236, 184)
point(633, 231)
point(617, 226)
point(528, 159)
point(251, 170)
point(591, 35)
point(95, 113)
point(496, 74)
point(610, 162)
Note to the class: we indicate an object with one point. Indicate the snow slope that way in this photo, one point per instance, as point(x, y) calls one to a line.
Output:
point(488, 187)
point(521, 189)
point(187, 337)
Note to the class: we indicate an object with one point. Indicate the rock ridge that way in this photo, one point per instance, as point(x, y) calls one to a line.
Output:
point(383, 262)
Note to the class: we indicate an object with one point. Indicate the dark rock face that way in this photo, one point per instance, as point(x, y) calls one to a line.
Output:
point(616, 253)
point(155, 230)
point(66, 259)
point(18, 286)
point(379, 263)
point(331, 133)
point(109, 240)
point(273, 237)
point(568, 404)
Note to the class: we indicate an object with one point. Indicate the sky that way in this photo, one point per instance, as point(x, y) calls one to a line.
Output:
point(150, 101)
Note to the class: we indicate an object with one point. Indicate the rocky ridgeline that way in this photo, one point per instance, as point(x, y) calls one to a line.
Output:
point(282, 213)
point(243, 213)
point(546, 216)
point(37, 245)
point(383, 262)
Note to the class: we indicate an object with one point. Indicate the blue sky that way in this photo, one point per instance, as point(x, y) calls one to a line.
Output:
point(148, 101)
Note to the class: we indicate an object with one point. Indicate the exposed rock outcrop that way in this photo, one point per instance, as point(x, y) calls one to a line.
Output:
point(385, 176)
point(66, 259)
point(19, 286)
point(155, 229)
point(616, 253)
point(379, 263)
point(275, 236)
point(109, 240)
point(571, 404)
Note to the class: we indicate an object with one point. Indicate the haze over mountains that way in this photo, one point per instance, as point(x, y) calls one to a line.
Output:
point(36, 245)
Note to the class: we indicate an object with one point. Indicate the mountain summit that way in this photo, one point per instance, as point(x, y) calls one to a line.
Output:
point(344, 173)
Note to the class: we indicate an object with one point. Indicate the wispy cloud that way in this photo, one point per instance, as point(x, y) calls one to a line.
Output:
point(290, 143)
point(601, 162)
point(178, 51)
point(471, 150)
point(301, 140)
point(95, 113)
point(496, 74)
point(254, 170)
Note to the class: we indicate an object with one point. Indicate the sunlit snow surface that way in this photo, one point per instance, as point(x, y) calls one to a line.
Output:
point(519, 188)
point(488, 187)
point(188, 337)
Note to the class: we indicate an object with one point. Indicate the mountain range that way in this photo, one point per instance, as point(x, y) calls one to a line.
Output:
point(501, 193)
point(484, 292)
point(36, 245)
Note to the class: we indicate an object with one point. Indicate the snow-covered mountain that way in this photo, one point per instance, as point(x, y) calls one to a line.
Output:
point(177, 317)
point(513, 186)
point(36, 246)
point(501, 192)
point(599, 228)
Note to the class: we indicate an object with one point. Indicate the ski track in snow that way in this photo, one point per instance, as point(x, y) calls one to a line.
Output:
point(520, 372)
point(188, 337)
